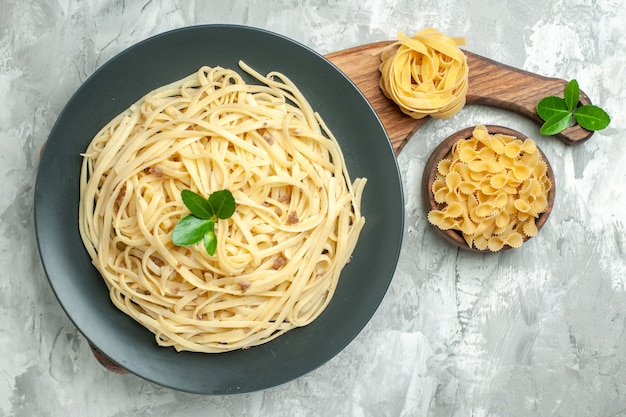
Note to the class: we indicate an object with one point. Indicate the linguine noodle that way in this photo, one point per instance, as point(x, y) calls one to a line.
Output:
point(279, 256)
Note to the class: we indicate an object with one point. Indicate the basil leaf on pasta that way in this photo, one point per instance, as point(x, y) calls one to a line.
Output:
point(190, 229)
point(210, 242)
point(222, 204)
point(198, 205)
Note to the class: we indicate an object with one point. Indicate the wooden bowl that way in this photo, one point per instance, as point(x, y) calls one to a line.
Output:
point(430, 170)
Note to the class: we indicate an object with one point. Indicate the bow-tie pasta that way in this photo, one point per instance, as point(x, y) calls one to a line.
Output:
point(491, 188)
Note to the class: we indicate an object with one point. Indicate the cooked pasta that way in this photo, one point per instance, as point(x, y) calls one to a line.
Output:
point(491, 188)
point(279, 256)
point(426, 74)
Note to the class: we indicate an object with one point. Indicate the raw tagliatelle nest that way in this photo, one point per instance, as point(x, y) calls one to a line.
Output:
point(426, 74)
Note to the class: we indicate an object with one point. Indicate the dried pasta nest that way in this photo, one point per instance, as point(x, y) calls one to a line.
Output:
point(426, 74)
point(488, 188)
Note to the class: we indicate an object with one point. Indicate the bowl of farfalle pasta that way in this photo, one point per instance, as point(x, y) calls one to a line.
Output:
point(488, 188)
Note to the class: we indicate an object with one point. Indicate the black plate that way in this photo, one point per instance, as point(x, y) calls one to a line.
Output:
point(82, 292)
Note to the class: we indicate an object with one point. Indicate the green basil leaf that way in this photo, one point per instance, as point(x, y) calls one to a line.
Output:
point(210, 242)
point(190, 229)
point(556, 124)
point(592, 117)
point(222, 203)
point(200, 224)
point(550, 106)
point(197, 205)
point(572, 95)
point(558, 112)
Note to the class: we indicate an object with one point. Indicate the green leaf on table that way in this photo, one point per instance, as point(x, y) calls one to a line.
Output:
point(551, 105)
point(556, 124)
point(571, 95)
point(592, 117)
point(557, 113)
point(190, 229)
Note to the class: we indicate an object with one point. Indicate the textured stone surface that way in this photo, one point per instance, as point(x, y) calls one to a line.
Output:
point(532, 332)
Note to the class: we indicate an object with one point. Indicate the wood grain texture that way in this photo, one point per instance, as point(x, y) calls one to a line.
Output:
point(490, 83)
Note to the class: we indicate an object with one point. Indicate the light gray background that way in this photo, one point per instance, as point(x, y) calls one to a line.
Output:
point(537, 331)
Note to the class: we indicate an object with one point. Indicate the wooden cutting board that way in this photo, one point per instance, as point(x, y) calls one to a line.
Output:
point(490, 83)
